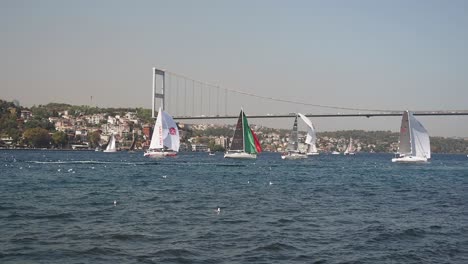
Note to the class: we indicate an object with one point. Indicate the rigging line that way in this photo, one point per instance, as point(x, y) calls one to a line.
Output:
point(291, 101)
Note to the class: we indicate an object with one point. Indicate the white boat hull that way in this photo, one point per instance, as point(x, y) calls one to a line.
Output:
point(409, 159)
point(294, 156)
point(160, 154)
point(349, 153)
point(240, 155)
point(312, 154)
point(110, 150)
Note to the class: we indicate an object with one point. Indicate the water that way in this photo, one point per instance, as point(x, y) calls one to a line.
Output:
point(58, 207)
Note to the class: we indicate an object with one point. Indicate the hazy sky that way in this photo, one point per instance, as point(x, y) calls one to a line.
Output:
point(360, 54)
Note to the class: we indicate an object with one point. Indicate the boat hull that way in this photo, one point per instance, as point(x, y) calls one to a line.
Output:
point(109, 150)
point(312, 153)
point(292, 156)
point(160, 154)
point(409, 159)
point(240, 155)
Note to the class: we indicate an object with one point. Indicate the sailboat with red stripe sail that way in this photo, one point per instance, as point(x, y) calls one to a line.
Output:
point(245, 144)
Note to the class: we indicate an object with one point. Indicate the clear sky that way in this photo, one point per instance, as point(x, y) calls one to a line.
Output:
point(363, 54)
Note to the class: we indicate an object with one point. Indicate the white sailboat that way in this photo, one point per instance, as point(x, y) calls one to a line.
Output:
point(293, 145)
point(245, 144)
point(165, 140)
point(414, 144)
point(350, 149)
point(311, 138)
point(111, 145)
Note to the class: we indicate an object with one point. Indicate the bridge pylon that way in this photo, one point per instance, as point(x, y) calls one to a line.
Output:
point(159, 84)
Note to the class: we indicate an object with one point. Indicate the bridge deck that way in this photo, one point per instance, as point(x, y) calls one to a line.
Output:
point(368, 115)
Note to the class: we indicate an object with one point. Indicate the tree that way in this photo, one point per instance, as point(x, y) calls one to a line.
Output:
point(37, 137)
point(94, 138)
point(59, 138)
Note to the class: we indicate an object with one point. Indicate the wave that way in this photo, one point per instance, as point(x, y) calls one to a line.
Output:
point(276, 246)
point(175, 253)
point(410, 233)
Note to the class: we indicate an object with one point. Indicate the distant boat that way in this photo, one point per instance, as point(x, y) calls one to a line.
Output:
point(311, 138)
point(350, 149)
point(245, 144)
point(165, 140)
point(132, 147)
point(211, 153)
point(335, 153)
point(293, 145)
point(111, 145)
point(414, 144)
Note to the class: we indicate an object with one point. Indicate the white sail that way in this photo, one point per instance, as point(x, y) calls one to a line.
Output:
point(311, 137)
point(111, 144)
point(157, 137)
point(350, 148)
point(170, 132)
point(414, 145)
point(420, 142)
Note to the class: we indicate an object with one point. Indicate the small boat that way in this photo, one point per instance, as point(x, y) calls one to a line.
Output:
point(111, 145)
point(293, 145)
point(211, 153)
point(245, 144)
point(335, 153)
point(350, 149)
point(311, 138)
point(414, 144)
point(132, 147)
point(165, 141)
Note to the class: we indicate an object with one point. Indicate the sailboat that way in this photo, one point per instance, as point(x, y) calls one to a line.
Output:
point(311, 138)
point(414, 144)
point(245, 144)
point(111, 145)
point(165, 140)
point(350, 149)
point(132, 147)
point(293, 145)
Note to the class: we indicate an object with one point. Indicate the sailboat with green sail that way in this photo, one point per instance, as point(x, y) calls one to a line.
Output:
point(245, 144)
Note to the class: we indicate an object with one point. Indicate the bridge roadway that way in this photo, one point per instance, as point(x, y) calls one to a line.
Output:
point(368, 115)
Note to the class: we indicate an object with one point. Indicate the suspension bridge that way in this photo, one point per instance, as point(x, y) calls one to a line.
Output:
point(189, 99)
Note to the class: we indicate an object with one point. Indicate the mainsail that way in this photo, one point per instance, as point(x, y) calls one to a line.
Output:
point(111, 145)
point(414, 144)
point(404, 145)
point(244, 139)
point(165, 133)
point(157, 137)
point(238, 138)
point(293, 140)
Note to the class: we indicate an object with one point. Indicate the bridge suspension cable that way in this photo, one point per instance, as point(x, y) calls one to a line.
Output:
point(209, 85)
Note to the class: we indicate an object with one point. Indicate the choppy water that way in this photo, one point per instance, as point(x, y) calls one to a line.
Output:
point(58, 207)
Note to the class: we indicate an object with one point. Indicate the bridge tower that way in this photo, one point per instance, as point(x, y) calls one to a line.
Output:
point(159, 84)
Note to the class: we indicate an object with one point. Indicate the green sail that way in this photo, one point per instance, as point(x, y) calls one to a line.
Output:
point(249, 141)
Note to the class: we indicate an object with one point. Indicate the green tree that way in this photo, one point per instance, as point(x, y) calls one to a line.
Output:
point(59, 139)
point(37, 137)
point(94, 138)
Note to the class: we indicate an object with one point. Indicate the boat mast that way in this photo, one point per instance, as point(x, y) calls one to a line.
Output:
point(243, 132)
point(410, 133)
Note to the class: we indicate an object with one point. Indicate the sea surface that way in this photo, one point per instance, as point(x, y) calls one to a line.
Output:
point(58, 207)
